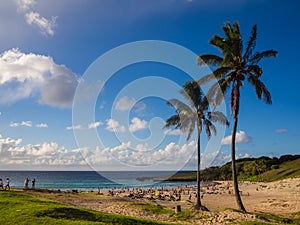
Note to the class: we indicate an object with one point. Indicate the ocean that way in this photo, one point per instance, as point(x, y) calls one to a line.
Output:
point(88, 180)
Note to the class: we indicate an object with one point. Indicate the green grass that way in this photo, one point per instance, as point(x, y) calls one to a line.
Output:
point(254, 223)
point(19, 208)
point(292, 219)
point(279, 219)
point(285, 170)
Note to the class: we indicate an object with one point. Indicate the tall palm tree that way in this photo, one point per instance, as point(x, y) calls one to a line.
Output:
point(232, 70)
point(194, 115)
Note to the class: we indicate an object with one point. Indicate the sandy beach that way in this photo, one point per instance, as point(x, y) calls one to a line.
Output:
point(280, 197)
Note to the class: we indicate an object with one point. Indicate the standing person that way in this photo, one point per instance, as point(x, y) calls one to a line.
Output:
point(1, 183)
point(33, 183)
point(7, 186)
point(26, 181)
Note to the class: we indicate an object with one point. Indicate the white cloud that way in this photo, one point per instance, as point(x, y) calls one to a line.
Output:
point(94, 125)
point(137, 124)
point(241, 137)
point(24, 5)
point(142, 147)
point(173, 132)
point(247, 155)
point(139, 106)
point(113, 125)
point(42, 125)
point(23, 123)
point(49, 155)
point(28, 124)
point(12, 152)
point(75, 127)
point(280, 131)
point(45, 26)
point(31, 75)
point(171, 155)
point(125, 103)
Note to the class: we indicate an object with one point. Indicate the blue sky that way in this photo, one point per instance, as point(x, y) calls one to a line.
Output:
point(46, 48)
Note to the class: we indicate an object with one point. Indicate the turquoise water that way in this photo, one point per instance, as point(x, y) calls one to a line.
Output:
point(87, 180)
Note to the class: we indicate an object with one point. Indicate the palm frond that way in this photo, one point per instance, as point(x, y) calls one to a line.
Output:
point(260, 89)
point(228, 30)
point(191, 129)
point(218, 116)
point(179, 105)
point(237, 42)
point(206, 79)
point(192, 93)
point(255, 70)
point(251, 43)
point(173, 121)
point(209, 59)
point(217, 92)
point(213, 128)
point(208, 127)
point(204, 104)
point(259, 55)
point(219, 43)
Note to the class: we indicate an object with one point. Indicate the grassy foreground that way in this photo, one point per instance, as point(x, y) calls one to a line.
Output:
point(19, 208)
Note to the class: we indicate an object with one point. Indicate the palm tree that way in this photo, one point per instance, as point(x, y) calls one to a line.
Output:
point(194, 115)
point(232, 69)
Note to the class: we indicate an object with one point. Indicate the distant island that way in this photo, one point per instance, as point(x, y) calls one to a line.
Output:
point(264, 169)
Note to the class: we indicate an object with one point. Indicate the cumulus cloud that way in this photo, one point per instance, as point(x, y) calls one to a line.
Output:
point(113, 125)
point(23, 123)
point(126, 103)
point(45, 26)
point(42, 125)
point(12, 152)
point(241, 137)
point(137, 124)
point(27, 124)
point(94, 125)
point(50, 155)
point(24, 5)
point(280, 131)
point(171, 155)
point(74, 127)
point(31, 75)
point(173, 132)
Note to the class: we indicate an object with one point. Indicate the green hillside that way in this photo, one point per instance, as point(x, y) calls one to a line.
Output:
point(252, 169)
point(285, 170)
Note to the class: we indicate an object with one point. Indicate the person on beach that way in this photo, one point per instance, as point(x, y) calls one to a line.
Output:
point(7, 186)
point(33, 183)
point(26, 181)
point(1, 183)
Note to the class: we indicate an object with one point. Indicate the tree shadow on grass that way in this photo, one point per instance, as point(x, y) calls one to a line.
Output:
point(70, 213)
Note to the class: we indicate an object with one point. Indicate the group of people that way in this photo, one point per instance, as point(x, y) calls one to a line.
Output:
point(7, 185)
point(26, 182)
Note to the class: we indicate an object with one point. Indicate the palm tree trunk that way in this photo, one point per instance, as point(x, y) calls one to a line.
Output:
point(198, 205)
point(234, 172)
